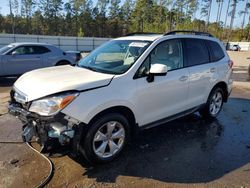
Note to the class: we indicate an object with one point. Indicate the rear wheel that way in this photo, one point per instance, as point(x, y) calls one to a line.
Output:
point(214, 104)
point(106, 138)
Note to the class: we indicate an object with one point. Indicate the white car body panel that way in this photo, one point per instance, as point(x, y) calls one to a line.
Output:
point(47, 81)
point(120, 92)
point(165, 96)
point(201, 81)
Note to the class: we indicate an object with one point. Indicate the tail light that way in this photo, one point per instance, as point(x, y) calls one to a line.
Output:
point(230, 63)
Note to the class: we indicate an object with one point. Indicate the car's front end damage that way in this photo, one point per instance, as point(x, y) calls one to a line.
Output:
point(45, 123)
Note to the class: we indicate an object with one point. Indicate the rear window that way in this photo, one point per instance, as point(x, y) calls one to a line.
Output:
point(40, 49)
point(216, 51)
point(197, 52)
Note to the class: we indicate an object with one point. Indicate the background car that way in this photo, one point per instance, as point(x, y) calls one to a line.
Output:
point(18, 58)
point(77, 55)
point(235, 47)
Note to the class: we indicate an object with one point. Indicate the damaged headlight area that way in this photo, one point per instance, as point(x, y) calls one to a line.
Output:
point(61, 127)
point(52, 105)
point(44, 122)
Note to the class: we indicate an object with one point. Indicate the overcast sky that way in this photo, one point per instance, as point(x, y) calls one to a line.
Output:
point(4, 9)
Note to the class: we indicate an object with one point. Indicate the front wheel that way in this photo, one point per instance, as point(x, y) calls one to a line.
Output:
point(214, 104)
point(106, 138)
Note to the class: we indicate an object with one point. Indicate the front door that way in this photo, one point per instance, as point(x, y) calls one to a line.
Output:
point(22, 59)
point(166, 95)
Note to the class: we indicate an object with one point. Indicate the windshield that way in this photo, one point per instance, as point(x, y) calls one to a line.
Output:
point(5, 49)
point(114, 57)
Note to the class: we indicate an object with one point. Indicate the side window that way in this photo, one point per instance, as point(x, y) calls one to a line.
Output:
point(23, 50)
point(144, 69)
point(197, 52)
point(40, 49)
point(168, 53)
point(216, 51)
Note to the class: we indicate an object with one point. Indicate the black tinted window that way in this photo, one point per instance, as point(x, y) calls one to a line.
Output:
point(197, 52)
point(216, 51)
point(40, 49)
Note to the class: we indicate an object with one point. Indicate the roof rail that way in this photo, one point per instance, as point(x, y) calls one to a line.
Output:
point(142, 33)
point(191, 32)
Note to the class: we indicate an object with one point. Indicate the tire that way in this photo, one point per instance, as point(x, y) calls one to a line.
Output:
point(63, 63)
point(214, 104)
point(102, 146)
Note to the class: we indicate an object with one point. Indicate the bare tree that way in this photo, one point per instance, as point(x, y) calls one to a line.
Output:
point(244, 12)
point(27, 7)
point(206, 10)
point(225, 24)
point(218, 10)
point(234, 4)
point(13, 5)
point(170, 5)
point(222, 1)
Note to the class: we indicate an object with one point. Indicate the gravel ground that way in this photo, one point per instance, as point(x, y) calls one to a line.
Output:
point(189, 152)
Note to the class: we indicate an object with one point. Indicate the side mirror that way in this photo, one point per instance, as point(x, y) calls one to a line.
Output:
point(14, 53)
point(157, 70)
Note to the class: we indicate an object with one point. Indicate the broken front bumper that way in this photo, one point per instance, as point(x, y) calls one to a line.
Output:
point(44, 129)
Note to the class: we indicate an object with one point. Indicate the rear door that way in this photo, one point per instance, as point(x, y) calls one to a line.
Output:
point(201, 70)
point(22, 59)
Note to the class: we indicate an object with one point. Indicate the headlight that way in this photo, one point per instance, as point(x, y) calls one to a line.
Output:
point(52, 105)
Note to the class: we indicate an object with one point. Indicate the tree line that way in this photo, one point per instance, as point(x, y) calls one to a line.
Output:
point(113, 18)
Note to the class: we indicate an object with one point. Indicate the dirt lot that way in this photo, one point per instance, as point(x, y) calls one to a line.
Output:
point(189, 152)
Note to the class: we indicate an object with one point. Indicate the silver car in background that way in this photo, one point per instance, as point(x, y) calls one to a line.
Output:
point(18, 58)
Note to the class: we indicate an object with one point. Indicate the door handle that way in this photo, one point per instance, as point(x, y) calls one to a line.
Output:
point(212, 69)
point(183, 78)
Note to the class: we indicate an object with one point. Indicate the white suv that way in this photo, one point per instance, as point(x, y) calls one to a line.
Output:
point(129, 82)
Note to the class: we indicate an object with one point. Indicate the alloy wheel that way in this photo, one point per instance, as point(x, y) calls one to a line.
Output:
point(109, 139)
point(215, 103)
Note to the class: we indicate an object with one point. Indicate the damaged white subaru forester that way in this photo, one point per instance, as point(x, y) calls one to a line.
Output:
point(141, 80)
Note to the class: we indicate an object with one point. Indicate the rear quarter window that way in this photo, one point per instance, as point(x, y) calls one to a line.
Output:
point(40, 50)
point(216, 51)
point(197, 52)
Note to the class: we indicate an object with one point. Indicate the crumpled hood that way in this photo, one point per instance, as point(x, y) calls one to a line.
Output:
point(47, 81)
